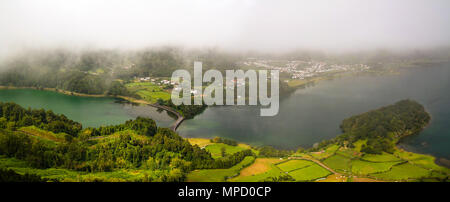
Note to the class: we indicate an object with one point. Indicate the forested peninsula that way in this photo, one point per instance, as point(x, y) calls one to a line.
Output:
point(39, 145)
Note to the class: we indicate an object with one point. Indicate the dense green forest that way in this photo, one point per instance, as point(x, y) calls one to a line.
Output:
point(135, 144)
point(13, 116)
point(383, 127)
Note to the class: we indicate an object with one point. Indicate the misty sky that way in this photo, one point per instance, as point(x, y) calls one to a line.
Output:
point(264, 25)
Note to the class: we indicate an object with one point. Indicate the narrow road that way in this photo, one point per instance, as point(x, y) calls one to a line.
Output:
point(318, 162)
point(177, 123)
point(174, 126)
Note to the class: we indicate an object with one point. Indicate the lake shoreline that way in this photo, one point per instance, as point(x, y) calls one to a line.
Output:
point(131, 100)
point(438, 160)
point(137, 101)
point(441, 161)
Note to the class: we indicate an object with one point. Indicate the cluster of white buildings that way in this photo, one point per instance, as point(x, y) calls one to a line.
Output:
point(161, 82)
point(303, 69)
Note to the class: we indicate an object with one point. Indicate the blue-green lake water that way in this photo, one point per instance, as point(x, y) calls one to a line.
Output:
point(308, 116)
point(313, 114)
point(90, 111)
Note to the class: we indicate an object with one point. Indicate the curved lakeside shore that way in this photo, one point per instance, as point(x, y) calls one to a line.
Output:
point(438, 160)
point(173, 127)
point(178, 122)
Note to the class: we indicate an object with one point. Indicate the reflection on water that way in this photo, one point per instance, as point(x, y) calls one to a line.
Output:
point(90, 111)
point(307, 116)
point(313, 114)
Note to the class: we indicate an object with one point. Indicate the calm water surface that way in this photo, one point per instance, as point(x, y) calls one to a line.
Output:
point(90, 111)
point(314, 114)
point(306, 117)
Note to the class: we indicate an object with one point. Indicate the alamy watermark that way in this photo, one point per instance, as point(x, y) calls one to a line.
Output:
point(235, 79)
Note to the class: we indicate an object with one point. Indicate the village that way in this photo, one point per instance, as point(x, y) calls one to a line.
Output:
point(171, 85)
point(298, 69)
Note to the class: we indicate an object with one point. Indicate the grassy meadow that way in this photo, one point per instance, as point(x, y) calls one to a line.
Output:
point(219, 175)
point(148, 91)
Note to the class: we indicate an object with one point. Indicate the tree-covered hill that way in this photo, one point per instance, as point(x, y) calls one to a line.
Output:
point(383, 127)
point(137, 144)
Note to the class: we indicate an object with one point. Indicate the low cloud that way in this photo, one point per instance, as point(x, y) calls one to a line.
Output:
point(240, 25)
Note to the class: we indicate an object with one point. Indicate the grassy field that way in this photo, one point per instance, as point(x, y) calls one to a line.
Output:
point(421, 160)
point(294, 164)
point(201, 142)
point(261, 165)
point(349, 153)
point(219, 175)
point(148, 91)
point(205, 142)
point(385, 157)
point(404, 172)
point(338, 163)
point(329, 151)
point(408, 155)
point(216, 149)
point(365, 167)
point(309, 173)
point(268, 169)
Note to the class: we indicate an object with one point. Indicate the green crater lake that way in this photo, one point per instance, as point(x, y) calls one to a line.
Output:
point(307, 116)
point(89, 111)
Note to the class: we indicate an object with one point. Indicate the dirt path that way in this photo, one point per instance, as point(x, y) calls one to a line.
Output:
point(317, 162)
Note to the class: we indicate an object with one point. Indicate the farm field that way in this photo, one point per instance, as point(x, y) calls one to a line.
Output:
point(404, 172)
point(294, 164)
point(219, 175)
point(349, 153)
point(384, 157)
point(364, 167)
point(261, 165)
point(148, 91)
point(200, 142)
point(422, 160)
point(216, 149)
point(271, 172)
point(309, 173)
point(329, 151)
point(338, 163)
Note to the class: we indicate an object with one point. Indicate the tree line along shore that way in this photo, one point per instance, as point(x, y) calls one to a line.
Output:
point(38, 144)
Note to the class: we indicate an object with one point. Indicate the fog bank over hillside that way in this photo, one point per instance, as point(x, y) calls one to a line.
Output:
point(234, 25)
